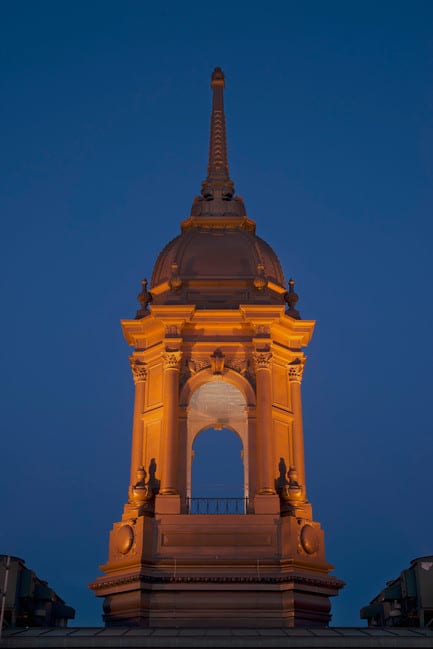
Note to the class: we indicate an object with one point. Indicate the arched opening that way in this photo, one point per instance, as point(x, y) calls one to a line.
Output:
point(217, 453)
point(217, 466)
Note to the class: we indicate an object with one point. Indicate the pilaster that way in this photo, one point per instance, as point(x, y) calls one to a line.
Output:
point(139, 374)
point(171, 363)
point(262, 365)
point(295, 373)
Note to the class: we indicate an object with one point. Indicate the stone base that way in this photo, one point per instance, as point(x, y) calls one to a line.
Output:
point(243, 603)
point(252, 570)
point(167, 504)
point(267, 504)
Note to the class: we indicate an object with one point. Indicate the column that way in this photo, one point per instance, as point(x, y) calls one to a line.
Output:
point(139, 374)
point(262, 363)
point(295, 377)
point(169, 467)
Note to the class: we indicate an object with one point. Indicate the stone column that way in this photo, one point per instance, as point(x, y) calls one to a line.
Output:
point(295, 377)
point(169, 469)
point(139, 374)
point(262, 363)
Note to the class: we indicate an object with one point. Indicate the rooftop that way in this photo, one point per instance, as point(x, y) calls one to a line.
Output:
point(344, 637)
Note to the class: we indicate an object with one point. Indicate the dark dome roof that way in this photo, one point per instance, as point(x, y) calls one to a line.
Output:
point(206, 265)
point(217, 254)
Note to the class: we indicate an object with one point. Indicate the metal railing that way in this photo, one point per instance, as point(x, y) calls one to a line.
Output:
point(217, 505)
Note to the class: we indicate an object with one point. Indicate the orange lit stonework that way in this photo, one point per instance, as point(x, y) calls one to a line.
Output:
point(217, 343)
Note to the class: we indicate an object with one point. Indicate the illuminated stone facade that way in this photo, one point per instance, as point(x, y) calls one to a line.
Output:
point(217, 342)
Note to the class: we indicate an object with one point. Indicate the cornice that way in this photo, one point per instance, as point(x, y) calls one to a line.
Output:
point(109, 582)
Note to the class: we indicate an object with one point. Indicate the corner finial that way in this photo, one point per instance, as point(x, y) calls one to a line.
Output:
point(144, 297)
point(291, 298)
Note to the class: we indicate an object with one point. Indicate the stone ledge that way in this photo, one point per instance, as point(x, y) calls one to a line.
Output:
point(124, 637)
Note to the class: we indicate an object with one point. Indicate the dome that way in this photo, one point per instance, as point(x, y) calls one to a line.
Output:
point(219, 267)
point(217, 261)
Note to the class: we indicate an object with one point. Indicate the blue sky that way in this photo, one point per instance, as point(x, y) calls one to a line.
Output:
point(104, 129)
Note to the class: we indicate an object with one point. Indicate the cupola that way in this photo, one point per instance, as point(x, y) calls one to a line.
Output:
point(218, 261)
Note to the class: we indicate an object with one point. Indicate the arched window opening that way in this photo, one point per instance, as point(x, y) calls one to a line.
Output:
point(217, 467)
point(218, 445)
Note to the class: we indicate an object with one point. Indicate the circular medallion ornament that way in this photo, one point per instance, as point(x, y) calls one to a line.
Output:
point(309, 539)
point(124, 539)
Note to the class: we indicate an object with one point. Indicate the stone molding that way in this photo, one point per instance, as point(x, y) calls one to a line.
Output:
point(330, 581)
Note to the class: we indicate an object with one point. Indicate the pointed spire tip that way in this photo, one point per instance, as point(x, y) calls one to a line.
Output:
point(217, 78)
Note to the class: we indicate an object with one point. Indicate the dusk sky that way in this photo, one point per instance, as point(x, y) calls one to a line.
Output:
point(104, 139)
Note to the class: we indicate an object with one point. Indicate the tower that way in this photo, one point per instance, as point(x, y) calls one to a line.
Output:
point(217, 342)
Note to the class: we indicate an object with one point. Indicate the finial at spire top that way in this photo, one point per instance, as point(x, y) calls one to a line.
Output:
point(217, 78)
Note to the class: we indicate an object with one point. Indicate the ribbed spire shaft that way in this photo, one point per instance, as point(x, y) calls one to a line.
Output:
point(218, 168)
point(218, 206)
point(218, 183)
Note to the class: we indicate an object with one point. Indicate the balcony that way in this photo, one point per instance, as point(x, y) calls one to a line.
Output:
point(214, 506)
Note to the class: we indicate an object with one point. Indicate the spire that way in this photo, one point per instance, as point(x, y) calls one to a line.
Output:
point(218, 163)
point(218, 182)
point(217, 206)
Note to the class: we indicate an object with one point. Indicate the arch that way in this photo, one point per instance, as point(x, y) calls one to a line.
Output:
point(205, 428)
point(206, 375)
point(216, 404)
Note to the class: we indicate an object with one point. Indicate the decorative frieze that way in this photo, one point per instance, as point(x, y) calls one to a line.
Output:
point(198, 364)
point(237, 364)
point(218, 362)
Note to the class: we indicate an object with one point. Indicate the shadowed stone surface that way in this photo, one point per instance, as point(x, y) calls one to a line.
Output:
point(123, 637)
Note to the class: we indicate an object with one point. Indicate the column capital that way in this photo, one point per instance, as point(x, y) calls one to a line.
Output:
point(296, 371)
point(262, 360)
point(139, 370)
point(171, 360)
